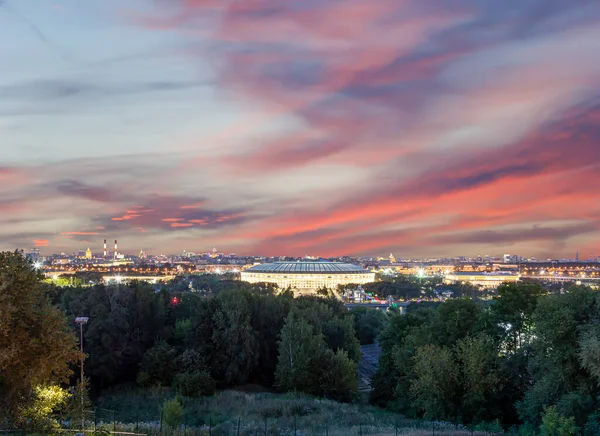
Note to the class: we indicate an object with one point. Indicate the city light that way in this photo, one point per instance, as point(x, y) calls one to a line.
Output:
point(37, 264)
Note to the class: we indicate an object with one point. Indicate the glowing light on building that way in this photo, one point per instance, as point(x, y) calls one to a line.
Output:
point(307, 277)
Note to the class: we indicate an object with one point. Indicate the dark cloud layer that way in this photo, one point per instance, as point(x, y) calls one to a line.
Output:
point(384, 125)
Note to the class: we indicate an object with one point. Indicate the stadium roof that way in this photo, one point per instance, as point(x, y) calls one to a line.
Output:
point(307, 268)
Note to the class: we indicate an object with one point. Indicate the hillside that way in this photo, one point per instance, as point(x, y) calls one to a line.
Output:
point(280, 414)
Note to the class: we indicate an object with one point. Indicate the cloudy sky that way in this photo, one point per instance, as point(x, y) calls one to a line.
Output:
point(332, 127)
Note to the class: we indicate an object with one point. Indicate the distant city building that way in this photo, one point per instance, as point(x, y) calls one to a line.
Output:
point(307, 277)
point(88, 253)
point(489, 280)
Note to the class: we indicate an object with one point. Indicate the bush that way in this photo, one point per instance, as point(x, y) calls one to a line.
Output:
point(490, 427)
point(173, 412)
point(555, 424)
point(194, 384)
point(159, 365)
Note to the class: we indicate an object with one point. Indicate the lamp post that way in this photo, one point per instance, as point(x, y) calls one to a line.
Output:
point(81, 320)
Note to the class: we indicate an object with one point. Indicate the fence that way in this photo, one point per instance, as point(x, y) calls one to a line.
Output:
point(106, 422)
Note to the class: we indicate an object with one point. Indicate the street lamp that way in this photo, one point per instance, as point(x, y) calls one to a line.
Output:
point(81, 320)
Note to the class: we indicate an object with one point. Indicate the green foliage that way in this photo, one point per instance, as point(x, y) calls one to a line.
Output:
point(194, 384)
point(589, 351)
point(337, 379)
point(554, 424)
point(299, 352)
point(507, 361)
point(234, 341)
point(40, 413)
point(436, 380)
point(173, 412)
point(36, 345)
point(125, 321)
point(159, 364)
point(368, 324)
point(73, 405)
point(513, 310)
point(305, 363)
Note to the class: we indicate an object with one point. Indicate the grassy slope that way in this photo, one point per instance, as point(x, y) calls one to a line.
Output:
point(282, 413)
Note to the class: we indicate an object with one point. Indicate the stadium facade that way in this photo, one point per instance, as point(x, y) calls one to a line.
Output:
point(307, 277)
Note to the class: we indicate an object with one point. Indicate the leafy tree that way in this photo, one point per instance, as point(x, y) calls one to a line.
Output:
point(159, 365)
point(194, 384)
point(267, 319)
point(340, 335)
point(234, 342)
point(480, 379)
point(36, 346)
point(40, 414)
point(299, 352)
point(554, 424)
point(558, 377)
point(125, 321)
point(391, 383)
point(337, 378)
point(173, 412)
point(455, 320)
point(436, 382)
point(513, 310)
point(368, 324)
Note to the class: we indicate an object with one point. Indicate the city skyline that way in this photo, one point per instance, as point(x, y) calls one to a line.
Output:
point(327, 128)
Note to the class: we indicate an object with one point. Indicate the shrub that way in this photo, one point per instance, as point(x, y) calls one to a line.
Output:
point(194, 384)
point(173, 412)
point(159, 364)
point(555, 424)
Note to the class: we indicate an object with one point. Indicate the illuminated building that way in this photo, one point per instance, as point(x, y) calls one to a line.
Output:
point(88, 253)
point(392, 258)
point(307, 277)
point(489, 280)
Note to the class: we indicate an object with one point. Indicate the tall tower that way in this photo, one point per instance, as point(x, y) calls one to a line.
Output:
point(88, 253)
point(392, 258)
point(105, 250)
point(116, 250)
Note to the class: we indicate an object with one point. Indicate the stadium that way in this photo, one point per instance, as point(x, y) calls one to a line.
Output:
point(307, 277)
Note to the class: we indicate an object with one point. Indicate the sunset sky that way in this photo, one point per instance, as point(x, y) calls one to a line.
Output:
point(276, 127)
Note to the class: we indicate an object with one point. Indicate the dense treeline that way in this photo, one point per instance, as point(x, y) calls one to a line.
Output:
point(526, 358)
point(195, 343)
point(194, 338)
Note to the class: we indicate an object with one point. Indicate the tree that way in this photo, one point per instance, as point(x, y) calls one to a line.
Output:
point(300, 350)
point(513, 310)
point(480, 379)
point(558, 373)
point(39, 414)
point(36, 346)
point(158, 365)
point(234, 342)
point(340, 335)
point(125, 320)
point(338, 376)
point(436, 382)
point(369, 323)
point(173, 412)
point(554, 424)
